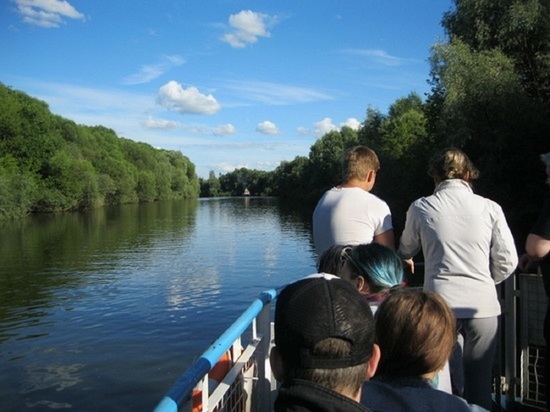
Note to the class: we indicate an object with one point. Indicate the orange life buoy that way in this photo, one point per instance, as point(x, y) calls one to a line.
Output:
point(215, 376)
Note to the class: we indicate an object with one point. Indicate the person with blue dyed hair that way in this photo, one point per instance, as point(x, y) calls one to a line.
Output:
point(373, 268)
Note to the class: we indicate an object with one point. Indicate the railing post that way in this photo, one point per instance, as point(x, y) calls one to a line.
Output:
point(262, 391)
point(510, 341)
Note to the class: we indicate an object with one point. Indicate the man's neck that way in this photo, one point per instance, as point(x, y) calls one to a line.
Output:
point(361, 184)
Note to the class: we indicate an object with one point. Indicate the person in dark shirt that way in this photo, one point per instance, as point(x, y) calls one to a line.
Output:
point(537, 253)
point(324, 346)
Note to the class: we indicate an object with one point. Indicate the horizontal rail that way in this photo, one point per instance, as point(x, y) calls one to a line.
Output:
point(183, 387)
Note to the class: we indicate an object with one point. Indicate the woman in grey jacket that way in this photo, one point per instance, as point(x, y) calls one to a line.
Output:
point(468, 248)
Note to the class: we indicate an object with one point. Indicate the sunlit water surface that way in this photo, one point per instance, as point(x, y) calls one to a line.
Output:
point(104, 310)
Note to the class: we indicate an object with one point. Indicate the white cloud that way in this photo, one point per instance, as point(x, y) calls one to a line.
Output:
point(352, 123)
point(276, 94)
point(324, 126)
point(152, 71)
point(224, 130)
point(47, 13)
point(379, 56)
point(267, 127)
point(186, 101)
point(151, 123)
point(248, 26)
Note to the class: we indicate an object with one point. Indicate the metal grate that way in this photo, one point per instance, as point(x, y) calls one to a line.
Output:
point(237, 398)
point(533, 385)
point(533, 304)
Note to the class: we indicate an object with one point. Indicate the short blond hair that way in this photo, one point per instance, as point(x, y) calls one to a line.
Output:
point(358, 162)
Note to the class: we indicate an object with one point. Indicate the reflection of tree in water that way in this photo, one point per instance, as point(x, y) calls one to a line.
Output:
point(44, 252)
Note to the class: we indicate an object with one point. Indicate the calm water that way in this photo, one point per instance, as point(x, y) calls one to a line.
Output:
point(103, 311)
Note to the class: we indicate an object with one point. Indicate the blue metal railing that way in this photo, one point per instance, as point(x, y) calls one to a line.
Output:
point(181, 390)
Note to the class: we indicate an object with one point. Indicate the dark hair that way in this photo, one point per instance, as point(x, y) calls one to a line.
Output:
point(332, 260)
point(452, 163)
point(380, 266)
point(358, 162)
point(339, 379)
point(415, 331)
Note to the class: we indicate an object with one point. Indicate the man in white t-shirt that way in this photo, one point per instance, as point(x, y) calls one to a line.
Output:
point(348, 214)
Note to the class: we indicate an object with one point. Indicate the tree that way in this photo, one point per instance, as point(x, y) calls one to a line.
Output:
point(49, 163)
point(490, 97)
point(520, 29)
point(210, 187)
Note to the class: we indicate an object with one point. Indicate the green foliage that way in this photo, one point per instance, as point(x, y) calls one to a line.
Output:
point(18, 189)
point(292, 180)
point(520, 29)
point(210, 187)
point(50, 164)
point(491, 97)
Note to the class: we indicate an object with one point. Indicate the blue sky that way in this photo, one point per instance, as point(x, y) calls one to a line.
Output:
point(228, 83)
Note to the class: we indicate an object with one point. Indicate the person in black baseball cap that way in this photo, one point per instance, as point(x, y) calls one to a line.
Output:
point(324, 345)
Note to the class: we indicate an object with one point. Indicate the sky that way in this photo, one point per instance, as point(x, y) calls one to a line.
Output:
point(229, 83)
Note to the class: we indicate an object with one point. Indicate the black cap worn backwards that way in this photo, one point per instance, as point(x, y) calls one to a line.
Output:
point(316, 308)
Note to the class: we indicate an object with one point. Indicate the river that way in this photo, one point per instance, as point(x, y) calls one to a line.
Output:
point(104, 310)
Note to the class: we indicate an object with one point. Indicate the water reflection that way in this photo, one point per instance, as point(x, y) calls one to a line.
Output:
point(56, 377)
point(86, 298)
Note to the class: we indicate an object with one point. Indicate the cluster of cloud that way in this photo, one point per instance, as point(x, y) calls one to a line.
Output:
point(47, 13)
point(325, 126)
point(248, 26)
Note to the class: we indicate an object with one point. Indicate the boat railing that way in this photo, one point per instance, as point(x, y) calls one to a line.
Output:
point(248, 385)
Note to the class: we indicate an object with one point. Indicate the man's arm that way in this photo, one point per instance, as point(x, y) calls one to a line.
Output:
point(537, 247)
point(537, 244)
point(386, 238)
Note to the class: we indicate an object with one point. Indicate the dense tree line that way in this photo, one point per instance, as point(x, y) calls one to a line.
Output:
point(51, 164)
point(490, 97)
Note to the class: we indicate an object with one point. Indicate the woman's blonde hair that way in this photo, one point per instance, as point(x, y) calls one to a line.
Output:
point(452, 164)
point(416, 332)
